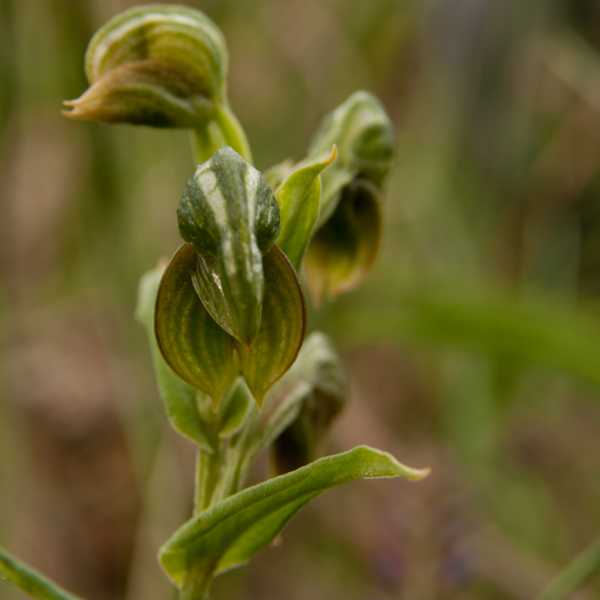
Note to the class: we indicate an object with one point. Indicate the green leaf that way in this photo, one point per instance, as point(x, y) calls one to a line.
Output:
point(342, 251)
point(229, 213)
point(529, 331)
point(575, 575)
point(178, 397)
point(235, 409)
point(227, 535)
point(30, 582)
point(298, 197)
point(157, 65)
point(192, 344)
point(206, 356)
point(280, 337)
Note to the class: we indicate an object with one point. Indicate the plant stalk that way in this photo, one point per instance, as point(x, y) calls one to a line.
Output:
point(208, 467)
point(223, 130)
point(574, 575)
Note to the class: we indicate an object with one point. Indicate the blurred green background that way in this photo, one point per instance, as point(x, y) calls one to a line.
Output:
point(473, 347)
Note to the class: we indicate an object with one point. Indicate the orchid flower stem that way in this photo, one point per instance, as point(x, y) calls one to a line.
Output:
point(207, 477)
point(218, 475)
point(233, 132)
point(223, 130)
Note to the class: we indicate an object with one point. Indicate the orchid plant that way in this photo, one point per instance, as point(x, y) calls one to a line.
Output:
point(226, 316)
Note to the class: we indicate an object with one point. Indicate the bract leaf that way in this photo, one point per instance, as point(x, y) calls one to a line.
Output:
point(298, 197)
point(280, 337)
point(227, 535)
point(178, 397)
point(158, 65)
point(193, 345)
point(229, 213)
point(342, 251)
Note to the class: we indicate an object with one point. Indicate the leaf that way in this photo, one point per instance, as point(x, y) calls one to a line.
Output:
point(529, 331)
point(178, 397)
point(229, 213)
point(192, 344)
point(343, 250)
point(280, 337)
point(227, 535)
point(235, 410)
point(299, 197)
point(574, 575)
point(163, 66)
point(30, 582)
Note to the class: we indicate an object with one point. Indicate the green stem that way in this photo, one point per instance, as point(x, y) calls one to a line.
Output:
point(197, 586)
point(29, 581)
point(208, 467)
point(218, 476)
point(223, 130)
point(574, 575)
point(233, 132)
point(207, 480)
point(206, 141)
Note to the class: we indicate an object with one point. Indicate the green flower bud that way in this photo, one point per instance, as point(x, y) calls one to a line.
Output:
point(349, 225)
point(318, 382)
point(229, 214)
point(161, 66)
point(364, 136)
